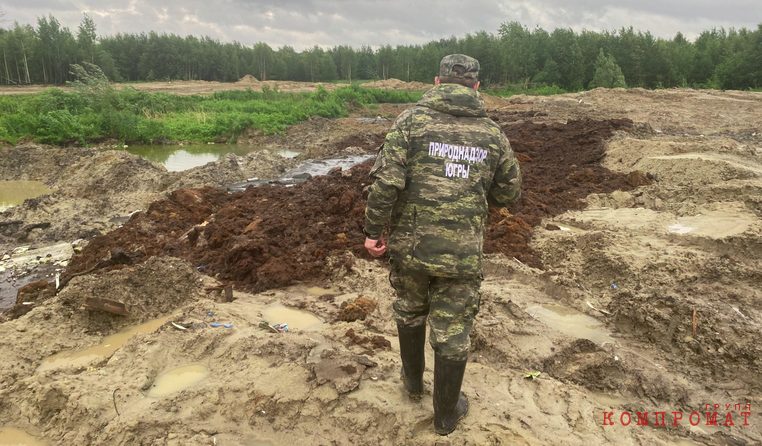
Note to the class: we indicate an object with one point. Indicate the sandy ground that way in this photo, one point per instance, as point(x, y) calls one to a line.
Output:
point(204, 87)
point(659, 285)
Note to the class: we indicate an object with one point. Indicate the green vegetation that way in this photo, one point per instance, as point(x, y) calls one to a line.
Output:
point(717, 58)
point(607, 73)
point(534, 89)
point(96, 110)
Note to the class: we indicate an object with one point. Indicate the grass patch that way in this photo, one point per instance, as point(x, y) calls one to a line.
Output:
point(62, 117)
point(537, 90)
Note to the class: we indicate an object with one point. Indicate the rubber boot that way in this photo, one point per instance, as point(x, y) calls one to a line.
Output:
point(412, 341)
point(450, 406)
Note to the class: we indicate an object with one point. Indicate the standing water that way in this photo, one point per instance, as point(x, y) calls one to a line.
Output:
point(570, 322)
point(178, 158)
point(13, 193)
point(177, 379)
point(14, 437)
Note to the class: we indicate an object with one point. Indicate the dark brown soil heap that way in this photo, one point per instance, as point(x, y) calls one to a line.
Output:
point(271, 237)
point(560, 166)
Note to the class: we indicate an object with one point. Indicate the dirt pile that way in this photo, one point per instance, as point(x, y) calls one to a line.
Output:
point(266, 238)
point(248, 80)
point(91, 187)
point(560, 167)
point(232, 168)
point(396, 84)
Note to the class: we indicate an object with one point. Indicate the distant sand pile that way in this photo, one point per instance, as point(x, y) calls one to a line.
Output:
point(396, 84)
point(494, 102)
point(248, 80)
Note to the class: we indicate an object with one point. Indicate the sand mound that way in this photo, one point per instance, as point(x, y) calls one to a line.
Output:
point(248, 79)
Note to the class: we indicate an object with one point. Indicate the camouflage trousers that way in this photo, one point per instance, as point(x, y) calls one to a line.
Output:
point(449, 305)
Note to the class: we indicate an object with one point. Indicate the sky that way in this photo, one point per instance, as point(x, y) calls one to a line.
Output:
point(305, 23)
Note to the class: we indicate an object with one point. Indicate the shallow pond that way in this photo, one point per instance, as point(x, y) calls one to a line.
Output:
point(177, 379)
point(15, 437)
point(570, 322)
point(178, 158)
point(13, 193)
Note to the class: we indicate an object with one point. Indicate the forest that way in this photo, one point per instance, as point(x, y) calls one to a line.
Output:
point(43, 53)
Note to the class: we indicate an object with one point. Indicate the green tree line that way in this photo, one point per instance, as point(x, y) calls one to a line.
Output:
point(516, 55)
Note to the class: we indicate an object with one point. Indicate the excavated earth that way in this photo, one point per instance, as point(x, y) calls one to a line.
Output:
point(628, 275)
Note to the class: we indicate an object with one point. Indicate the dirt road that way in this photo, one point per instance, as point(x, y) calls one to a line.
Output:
point(629, 276)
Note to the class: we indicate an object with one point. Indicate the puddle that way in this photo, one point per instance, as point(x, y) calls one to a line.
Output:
point(715, 224)
point(13, 193)
point(570, 322)
point(179, 158)
point(677, 228)
point(23, 267)
point(607, 400)
point(318, 291)
point(177, 379)
point(15, 437)
point(106, 348)
point(303, 172)
point(314, 356)
point(253, 441)
point(47, 254)
point(277, 313)
point(372, 120)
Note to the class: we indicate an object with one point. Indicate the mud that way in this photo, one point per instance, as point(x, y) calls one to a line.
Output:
point(632, 256)
point(250, 239)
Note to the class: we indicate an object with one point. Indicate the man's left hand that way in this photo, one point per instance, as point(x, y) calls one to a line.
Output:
point(376, 248)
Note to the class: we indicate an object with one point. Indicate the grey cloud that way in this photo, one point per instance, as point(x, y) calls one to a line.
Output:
point(304, 23)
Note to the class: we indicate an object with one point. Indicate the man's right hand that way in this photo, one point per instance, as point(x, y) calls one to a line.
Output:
point(376, 248)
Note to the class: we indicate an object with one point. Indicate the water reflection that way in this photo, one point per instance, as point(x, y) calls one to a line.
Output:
point(13, 193)
point(178, 158)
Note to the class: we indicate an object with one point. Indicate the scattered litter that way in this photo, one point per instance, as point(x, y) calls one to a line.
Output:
point(739, 312)
point(268, 327)
point(283, 328)
point(534, 375)
point(178, 326)
point(613, 287)
point(597, 309)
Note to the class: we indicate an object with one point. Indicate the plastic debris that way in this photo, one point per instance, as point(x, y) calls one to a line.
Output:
point(613, 287)
point(534, 375)
point(178, 326)
point(266, 325)
point(283, 328)
point(597, 309)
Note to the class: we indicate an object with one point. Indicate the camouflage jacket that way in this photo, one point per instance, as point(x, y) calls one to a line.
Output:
point(442, 163)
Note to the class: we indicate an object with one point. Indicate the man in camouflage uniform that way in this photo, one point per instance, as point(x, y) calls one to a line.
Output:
point(442, 164)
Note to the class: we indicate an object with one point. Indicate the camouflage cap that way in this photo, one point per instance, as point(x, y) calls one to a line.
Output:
point(470, 64)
